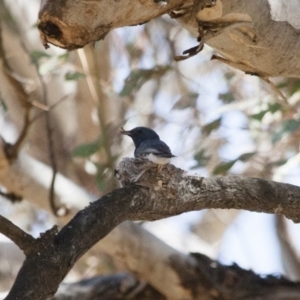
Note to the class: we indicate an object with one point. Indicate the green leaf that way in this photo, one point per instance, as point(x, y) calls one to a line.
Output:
point(226, 97)
point(36, 55)
point(3, 104)
point(201, 157)
point(282, 85)
point(259, 116)
point(186, 101)
point(100, 176)
point(74, 75)
point(287, 126)
point(246, 156)
point(64, 57)
point(86, 150)
point(138, 77)
point(222, 168)
point(274, 107)
point(100, 182)
point(291, 85)
point(229, 75)
point(290, 125)
point(208, 128)
point(296, 87)
point(278, 163)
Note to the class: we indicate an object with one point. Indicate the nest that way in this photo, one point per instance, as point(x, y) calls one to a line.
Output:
point(143, 172)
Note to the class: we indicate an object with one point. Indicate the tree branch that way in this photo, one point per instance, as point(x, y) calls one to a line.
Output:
point(118, 286)
point(52, 26)
point(12, 150)
point(154, 196)
point(222, 282)
point(232, 282)
point(176, 192)
point(235, 29)
point(22, 239)
point(148, 257)
point(31, 179)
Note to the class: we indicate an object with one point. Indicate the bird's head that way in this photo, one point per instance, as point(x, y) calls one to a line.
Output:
point(140, 134)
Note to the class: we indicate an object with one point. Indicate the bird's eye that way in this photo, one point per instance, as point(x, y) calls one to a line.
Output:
point(139, 131)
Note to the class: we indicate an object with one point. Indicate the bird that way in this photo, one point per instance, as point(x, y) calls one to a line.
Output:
point(148, 145)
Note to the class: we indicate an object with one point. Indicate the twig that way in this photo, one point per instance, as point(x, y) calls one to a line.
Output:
point(11, 196)
point(22, 239)
point(276, 90)
point(137, 290)
point(45, 108)
point(289, 255)
point(251, 71)
point(50, 137)
point(12, 150)
point(99, 99)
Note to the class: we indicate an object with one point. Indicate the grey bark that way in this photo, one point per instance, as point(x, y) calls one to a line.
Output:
point(110, 287)
point(218, 282)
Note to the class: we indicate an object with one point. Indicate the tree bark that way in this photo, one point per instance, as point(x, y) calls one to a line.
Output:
point(65, 23)
point(221, 282)
point(154, 196)
point(119, 286)
point(243, 32)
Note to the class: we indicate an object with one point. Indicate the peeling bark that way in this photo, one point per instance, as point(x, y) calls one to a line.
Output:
point(241, 31)
point(73, 24)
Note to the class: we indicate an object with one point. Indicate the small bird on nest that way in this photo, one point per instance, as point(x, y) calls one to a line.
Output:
point(148, 145)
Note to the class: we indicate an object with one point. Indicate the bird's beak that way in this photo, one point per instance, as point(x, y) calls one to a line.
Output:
point(122, 131)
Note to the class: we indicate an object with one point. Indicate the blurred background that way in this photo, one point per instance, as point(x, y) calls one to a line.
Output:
point(216, 120)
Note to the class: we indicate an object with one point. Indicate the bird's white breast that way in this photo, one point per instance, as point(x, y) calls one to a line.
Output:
point(158, 160)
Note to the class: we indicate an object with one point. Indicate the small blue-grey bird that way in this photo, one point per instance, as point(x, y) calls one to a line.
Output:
point(148, 144)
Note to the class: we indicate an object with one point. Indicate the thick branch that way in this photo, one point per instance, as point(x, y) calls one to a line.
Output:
point(147, 256)
point(31, 179)
point(119, 286)
point(232, 282)
point(176, 192)
point(243, 32)
point(222, 282)
point(168, 193)
point(22, 239)
point(72, 33)
point(42, 273)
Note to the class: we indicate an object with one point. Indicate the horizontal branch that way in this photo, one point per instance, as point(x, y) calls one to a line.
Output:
point(154, 196)
point(233, 282)
point(118, 286)
point(176, 192)
point(22, 239)
point(75, 36)
point(222, 282)
point(148, 257)
point(31, 179)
